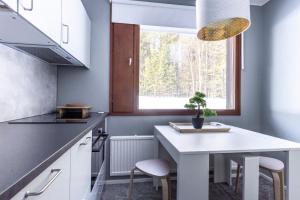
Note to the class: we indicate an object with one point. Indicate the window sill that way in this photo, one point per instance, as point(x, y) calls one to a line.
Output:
point(234, 112)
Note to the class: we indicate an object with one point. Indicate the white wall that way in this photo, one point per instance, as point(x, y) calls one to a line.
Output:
point(27, 86)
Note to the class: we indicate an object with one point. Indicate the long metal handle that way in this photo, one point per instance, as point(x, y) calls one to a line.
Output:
point(65, 27)
point(58, 172)
point(86, 141)
point(130, 61)
point(28, 9)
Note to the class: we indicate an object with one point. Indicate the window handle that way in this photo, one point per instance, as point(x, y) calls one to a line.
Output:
point(130, 61)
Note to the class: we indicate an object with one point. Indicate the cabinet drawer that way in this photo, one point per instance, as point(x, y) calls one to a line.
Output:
point(51, 184)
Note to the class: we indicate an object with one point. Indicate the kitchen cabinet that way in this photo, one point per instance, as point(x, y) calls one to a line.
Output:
point(76, 30)
point(44, 15)
point(51, 184)
point(55, 31)
point(69, 177)
point(13, 4)
point(80, 181)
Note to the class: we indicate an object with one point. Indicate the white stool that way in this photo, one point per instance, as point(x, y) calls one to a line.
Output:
point(275, 167)
point(155, 168)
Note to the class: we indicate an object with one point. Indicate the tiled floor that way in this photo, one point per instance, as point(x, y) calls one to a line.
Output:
point(145, 191)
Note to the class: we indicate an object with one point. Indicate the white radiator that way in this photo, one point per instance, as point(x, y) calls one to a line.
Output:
point(125, 151)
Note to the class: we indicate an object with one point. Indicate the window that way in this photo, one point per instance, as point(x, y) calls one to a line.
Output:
point(174, 64)
point(169, 65)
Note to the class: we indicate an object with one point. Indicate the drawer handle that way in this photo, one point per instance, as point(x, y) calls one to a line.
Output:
point(58, 172)
point(28, 9)
point(86, 141)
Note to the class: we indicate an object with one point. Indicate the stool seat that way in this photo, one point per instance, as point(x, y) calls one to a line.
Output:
point(155, 167)
point(271, 163)
point(275, 166)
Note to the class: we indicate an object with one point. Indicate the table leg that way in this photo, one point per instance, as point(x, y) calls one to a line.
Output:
point(156, 145)
point(250, 178)
point(193, 177)
point(222, 169)
point(293, 175)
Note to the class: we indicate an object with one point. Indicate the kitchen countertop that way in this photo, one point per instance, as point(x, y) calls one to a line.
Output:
point(28, 149)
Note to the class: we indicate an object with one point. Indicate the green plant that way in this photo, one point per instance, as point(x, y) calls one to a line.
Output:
point(197, 102)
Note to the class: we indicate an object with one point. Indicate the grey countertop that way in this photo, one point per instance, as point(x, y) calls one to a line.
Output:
point(28, 149)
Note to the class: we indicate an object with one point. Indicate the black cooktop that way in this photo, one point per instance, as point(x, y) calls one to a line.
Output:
point(47, 119)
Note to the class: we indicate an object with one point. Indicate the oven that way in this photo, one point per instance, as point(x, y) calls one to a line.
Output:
point(98, 161)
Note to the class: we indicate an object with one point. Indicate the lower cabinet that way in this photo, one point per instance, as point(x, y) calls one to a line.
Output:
point(68, 178)
point(51, 184)
point(80, 181)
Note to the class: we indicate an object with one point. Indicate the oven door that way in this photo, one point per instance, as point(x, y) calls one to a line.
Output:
point(98, 165)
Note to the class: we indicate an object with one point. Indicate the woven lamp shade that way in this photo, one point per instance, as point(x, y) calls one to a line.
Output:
point(222, 19)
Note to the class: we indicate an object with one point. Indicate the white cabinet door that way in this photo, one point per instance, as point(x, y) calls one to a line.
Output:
point(81, 154)
point(44, 15)
point(54, 181)
point(13, 4)
point(76, 30)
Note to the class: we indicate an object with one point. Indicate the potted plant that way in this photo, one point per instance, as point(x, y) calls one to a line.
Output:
point(198, 103)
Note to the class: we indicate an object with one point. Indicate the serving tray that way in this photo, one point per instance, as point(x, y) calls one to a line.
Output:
point(212, 127)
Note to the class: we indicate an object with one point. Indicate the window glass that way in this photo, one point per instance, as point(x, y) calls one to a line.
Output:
point(174, 64)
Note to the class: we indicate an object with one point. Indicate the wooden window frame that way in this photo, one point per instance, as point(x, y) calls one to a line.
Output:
point(237, 44)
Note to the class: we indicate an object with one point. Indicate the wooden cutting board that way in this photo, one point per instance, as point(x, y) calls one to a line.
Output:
point(71, 111)
point(207, 128)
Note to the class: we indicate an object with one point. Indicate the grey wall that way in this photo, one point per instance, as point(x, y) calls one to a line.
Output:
point(281, 94)
point(178, 2)
point(251, 84)
point(27, 86)
point(90, 86)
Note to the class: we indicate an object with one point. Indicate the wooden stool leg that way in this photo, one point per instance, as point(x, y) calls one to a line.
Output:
point(169, 188)
point(131, 184)
point(237, 180)
point(282, 192)
point(165, 188)
point(278, 185)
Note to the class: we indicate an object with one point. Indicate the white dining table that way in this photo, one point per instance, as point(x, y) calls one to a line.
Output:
point(191, 152)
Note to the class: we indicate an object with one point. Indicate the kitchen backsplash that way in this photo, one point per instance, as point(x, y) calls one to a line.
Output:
point(28, 87)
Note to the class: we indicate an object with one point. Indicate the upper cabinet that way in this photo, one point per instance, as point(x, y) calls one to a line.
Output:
point(13, 4)
point(43, 14)
point(76, 30)
point(55, 31)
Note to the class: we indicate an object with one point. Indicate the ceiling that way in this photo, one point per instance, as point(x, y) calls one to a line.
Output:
point(192, 2)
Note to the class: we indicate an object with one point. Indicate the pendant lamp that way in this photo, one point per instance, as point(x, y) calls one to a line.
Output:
point(221, 19)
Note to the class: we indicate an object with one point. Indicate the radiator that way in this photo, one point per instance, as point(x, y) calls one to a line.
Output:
point(125, 151)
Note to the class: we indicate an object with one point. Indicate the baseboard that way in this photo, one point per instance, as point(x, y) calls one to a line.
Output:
point(126, 181)
point(136, 180)
point(144, 180)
